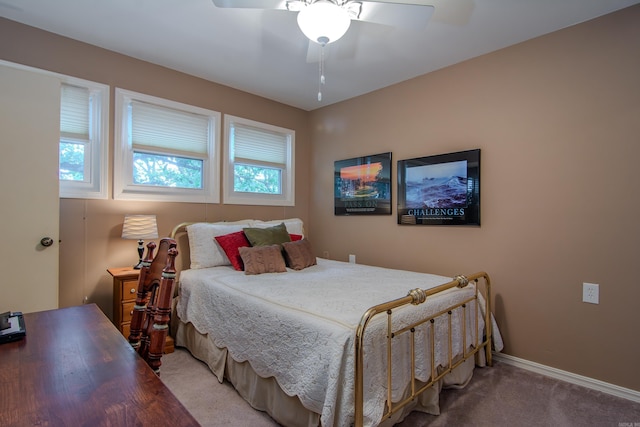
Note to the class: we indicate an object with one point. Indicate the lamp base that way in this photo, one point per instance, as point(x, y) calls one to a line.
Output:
point(140, 252)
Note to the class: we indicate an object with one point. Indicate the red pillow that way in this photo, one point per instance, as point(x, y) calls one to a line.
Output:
point(230, 244)
point(295, 237)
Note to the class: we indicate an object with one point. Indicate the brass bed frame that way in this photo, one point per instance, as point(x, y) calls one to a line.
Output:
point(418, 296)
point(415, 296)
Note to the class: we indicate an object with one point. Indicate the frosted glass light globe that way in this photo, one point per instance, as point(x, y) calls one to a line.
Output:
point(324, 21)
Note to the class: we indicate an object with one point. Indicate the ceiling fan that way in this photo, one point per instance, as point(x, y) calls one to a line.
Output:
point(326, 21)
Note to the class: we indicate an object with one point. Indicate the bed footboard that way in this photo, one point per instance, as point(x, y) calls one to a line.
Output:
point(417, 297)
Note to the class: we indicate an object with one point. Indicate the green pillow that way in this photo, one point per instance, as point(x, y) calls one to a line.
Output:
point(276, 235)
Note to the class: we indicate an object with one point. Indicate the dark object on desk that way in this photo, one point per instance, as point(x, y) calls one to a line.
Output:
point(4, 320)
point(11, 327)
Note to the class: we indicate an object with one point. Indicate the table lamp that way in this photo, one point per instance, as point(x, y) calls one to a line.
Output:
point(139, 227)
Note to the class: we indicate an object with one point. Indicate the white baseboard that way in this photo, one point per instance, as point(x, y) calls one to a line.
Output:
point(625, 393)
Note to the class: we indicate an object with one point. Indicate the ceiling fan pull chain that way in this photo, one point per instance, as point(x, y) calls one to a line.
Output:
point(321, 73)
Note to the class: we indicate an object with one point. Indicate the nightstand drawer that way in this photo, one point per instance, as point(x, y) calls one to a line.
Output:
point(129, 290)
point(127, 311)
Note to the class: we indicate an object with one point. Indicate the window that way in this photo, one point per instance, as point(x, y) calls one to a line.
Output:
point(258, 166)
point(84, 150)
point(165, 150)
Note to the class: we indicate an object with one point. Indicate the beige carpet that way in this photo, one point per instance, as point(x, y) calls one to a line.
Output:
point(499, 396)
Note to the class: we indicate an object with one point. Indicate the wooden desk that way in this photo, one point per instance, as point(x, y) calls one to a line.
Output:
point(74, 368)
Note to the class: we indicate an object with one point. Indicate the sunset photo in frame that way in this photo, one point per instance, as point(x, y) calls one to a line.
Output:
point(362, 185)
point(440, 190)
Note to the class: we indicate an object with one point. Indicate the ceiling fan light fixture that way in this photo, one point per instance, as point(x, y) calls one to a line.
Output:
point(324, 21)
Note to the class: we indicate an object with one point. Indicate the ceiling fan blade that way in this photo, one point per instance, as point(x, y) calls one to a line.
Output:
point(313, 52)
point(251, 4)
point(401, 15)
point(404, 2)
point(453, 12)
point(344, 49)
point(6, 5)
point(347, 47)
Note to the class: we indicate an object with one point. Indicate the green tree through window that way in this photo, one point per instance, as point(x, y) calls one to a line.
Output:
point(71, 162)
point(167, 171)
point(256, 179)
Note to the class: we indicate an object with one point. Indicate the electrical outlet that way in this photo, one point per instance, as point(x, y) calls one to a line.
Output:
point(590, 293)
point(325, 254)
point(352, 259)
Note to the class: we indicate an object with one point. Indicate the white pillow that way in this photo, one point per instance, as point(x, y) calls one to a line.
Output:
point(204, 250)
point(293, 225)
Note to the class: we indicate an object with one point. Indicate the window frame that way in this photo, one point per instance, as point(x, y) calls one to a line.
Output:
point(123, 186)
point(232, 197)
point(94, 185)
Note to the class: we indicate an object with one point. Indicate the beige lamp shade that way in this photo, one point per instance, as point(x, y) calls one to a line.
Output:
point(138, 227)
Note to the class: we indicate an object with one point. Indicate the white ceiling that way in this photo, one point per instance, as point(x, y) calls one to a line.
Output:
point(263, 51)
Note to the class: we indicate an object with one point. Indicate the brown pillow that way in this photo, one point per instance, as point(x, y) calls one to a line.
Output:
point(299, 254)
point(262, 259)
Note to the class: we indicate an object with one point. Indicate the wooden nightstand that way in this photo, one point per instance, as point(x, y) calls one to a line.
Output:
point(125, 286)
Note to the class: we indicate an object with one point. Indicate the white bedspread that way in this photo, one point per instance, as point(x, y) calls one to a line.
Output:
point(307, 341)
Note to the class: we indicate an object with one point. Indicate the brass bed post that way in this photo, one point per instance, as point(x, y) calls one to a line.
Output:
point(359, 354)
point(487, 319)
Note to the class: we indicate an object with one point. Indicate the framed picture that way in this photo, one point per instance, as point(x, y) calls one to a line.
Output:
point(440, 190)
point(362, 185)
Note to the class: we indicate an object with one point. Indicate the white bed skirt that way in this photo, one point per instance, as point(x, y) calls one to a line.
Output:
point(264, 394)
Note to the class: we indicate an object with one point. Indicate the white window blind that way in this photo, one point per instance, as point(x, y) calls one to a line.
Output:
point(259, 167)
point(84, 136)
point(165, 150)
point(166, 130)
point(74, 112)
point(260, 145)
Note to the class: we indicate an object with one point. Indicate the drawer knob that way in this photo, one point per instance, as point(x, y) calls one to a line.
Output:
point(133, 291)
point(131, 312)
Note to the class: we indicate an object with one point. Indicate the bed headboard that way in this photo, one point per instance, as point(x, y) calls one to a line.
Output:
point(179, 234)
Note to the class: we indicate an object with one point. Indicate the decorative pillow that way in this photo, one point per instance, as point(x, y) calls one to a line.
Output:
point(267, 236)
point(230, 244)
point(204, 250)
point(294, 225)
point(262, 259)
point(295, 237)
point(299, 254)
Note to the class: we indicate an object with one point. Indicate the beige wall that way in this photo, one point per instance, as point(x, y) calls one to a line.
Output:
point(558, 123)
point(90, 229)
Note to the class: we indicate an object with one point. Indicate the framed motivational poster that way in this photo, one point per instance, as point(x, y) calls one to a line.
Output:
point(362, 185)
point(440, 190)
